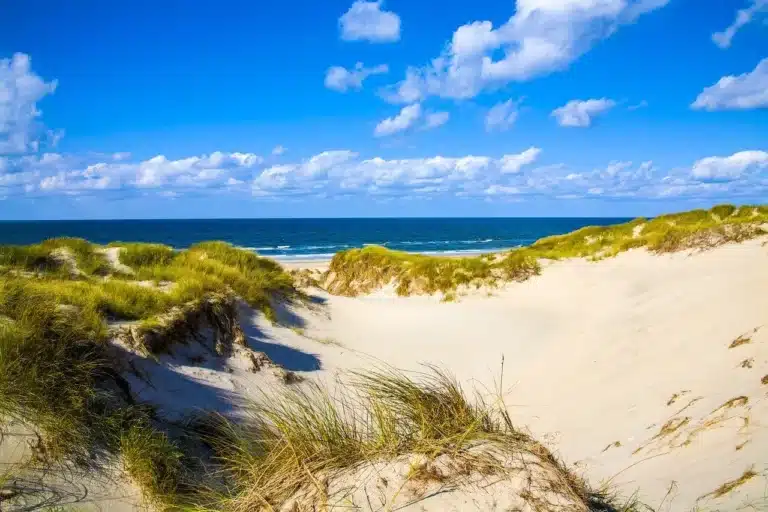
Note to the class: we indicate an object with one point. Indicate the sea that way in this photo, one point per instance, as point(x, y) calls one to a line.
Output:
point(288, 239)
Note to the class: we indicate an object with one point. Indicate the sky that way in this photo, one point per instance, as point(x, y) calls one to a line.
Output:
point(390, 108)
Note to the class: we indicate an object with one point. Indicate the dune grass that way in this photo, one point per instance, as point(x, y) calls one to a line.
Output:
point(154, 462)
point(360, 271)
point(291, 445)
point(696, 229)
point(56, 371)
point(51, 256)
point(137, 255)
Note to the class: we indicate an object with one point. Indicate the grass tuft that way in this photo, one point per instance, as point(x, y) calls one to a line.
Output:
point(136, 255)
point(295, 443)
point(359, 271)
point(153, 462)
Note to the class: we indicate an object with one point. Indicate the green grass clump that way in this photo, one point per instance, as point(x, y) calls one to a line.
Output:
point(359, 271)
point(295, 443)
point(48, 379)
point(137, 255)
point(27, 257)
point(153, 461)
point(356, 271)
point(51, 256)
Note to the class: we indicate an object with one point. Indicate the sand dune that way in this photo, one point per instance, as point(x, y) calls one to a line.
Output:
point(621, 366)
point(645, 372)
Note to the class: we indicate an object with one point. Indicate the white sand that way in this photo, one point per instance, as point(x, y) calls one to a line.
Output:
point(593, 353)
point(293, 264)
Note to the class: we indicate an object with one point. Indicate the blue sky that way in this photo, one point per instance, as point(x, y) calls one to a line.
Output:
point(390, 108)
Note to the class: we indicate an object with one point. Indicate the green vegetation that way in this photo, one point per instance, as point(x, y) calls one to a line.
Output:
point(137, 255)
point(153, 461)
point(57, 255)
point(293, 444)
point(58, 300)
point(359, 271)
point(696, 229)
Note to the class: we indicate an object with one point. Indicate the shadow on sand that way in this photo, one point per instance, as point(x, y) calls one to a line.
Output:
point(290, 358)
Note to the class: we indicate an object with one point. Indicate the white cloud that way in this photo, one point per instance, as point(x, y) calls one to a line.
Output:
point(278, 150)
point(501, 190)
point(578, 113)
point(295, 178)
point(343, 173)
point(340, 79)
point(20, 91)
point(717, 168)
point(65, 173)
point(512, 164)
point(743, 17)
point(436, 119)
point(366, 21)
point(542, 36)
point(402, 121)
point(638, 106)
point(501, 116)
point(742, 92)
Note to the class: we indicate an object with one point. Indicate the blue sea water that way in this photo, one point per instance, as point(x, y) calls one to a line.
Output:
point(310, 238)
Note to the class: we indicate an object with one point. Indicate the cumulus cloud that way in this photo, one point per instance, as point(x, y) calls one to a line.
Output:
point(302, 177)
point(466, 175)
point(367, 21)
point(342, 173)
point(579, 114)
point(341, 79)
point(512, 164)
point(541, 37)
point(741, 92)
point(55, 173)
point(501, 116)
point(436, 119)
point(20, 91)
point(401, 122)
point(718, 168)
point(278, 150)
point(743, 17)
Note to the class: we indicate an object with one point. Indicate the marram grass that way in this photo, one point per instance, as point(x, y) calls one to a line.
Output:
point(359, 271)
point(293, 444)
point(58, 302)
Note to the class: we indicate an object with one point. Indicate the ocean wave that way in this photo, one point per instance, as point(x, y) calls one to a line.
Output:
point(256, 248)
point(344, 246)
point(294, 249)
point(304, 251)
point(444, 242)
